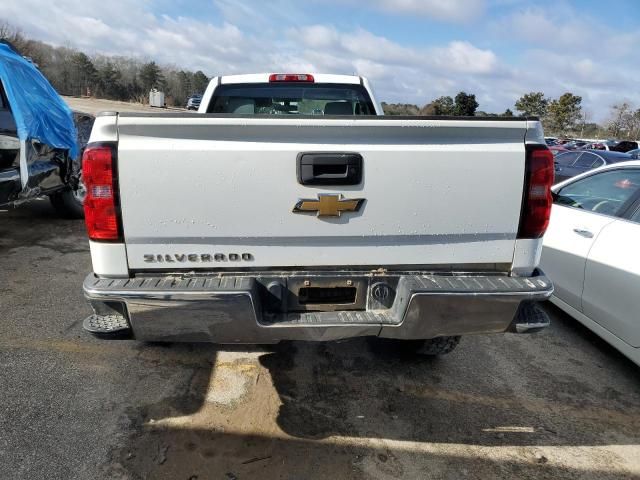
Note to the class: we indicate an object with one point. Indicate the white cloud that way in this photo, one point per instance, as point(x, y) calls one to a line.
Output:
point(362, 45)
point(444, 10)
point(463, 57)
point(261, 14)
point(316, 36)
point(567, 31)
point(365, 44)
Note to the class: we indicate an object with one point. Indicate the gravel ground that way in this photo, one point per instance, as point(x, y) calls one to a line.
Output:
point(94, 106)
point(559, 404)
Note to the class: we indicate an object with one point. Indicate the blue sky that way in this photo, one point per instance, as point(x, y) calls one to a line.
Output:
point(412, 50)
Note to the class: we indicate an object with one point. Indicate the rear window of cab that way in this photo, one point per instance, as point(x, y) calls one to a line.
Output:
point(291, 99)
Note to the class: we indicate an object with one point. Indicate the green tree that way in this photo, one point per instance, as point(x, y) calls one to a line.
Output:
point(625, 122)
point(465, 105)
point(199, 82)
point(185, 83)
point(429, 110)
point(563, 113)
point(633, 127)
point(150, 77)
point(590, 130)
point(440, 106)
point(532, 104)
point(507, 113)
point(178, 86)
point(83, 74)
point(400, 109)
point(109, 81)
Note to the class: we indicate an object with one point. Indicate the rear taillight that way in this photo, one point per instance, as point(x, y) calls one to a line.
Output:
point(101, 202)
point(291, 77)
point(537, 199)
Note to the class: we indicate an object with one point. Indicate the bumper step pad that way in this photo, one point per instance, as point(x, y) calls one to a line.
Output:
point(530, 318)
point(109, 325)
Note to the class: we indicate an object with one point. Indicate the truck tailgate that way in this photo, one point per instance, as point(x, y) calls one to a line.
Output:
point(205, 191)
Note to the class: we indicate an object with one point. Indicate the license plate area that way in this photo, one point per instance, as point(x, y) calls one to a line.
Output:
point(326, 294)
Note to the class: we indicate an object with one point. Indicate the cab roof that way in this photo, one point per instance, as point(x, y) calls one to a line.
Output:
point(264, 78)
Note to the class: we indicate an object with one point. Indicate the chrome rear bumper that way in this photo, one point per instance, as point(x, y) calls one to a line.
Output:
point(249, 309)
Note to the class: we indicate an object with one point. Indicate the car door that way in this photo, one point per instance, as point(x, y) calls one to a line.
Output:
point(581, 210)
point(611, 295)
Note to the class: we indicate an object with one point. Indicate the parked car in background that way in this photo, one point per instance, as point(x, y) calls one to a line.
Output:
point(194, 102)
point(596, 146)
point(574, 144)
point(600, 145)
point(551, 141)
point(575, 162)
point(590, 252)
point(39, 147)
point(557, 149)
point(625, 146)
point(635, 154)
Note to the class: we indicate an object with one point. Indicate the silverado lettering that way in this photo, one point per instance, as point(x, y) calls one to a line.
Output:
point(197, 257)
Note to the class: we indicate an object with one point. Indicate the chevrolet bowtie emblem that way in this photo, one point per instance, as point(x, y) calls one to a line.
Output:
point(329, 205)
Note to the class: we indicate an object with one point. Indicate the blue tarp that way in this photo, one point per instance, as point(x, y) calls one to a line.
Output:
point(38, 111)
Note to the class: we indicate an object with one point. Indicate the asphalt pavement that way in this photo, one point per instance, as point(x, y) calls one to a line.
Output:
point(558, 404)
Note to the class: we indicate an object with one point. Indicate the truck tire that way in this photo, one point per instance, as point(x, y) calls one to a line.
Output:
point(68, 203)
point(438, 346)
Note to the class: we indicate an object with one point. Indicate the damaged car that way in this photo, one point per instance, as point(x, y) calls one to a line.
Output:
point(39, 147)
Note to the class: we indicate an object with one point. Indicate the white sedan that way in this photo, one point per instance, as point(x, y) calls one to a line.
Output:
point(591, 253)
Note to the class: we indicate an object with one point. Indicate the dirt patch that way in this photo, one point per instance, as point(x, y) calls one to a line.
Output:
point(94, 106)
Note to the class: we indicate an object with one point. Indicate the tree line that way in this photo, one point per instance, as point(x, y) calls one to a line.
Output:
point(562, 116)
point(464, 104)
point(72, 72)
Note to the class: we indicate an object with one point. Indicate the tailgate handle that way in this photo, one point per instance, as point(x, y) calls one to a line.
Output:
point(328, 168)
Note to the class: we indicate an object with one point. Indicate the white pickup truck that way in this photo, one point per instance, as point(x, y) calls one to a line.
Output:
point(289, 208)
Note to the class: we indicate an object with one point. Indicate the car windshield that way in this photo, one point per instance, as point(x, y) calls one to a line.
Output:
point(566, 159)
point(291, 99)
